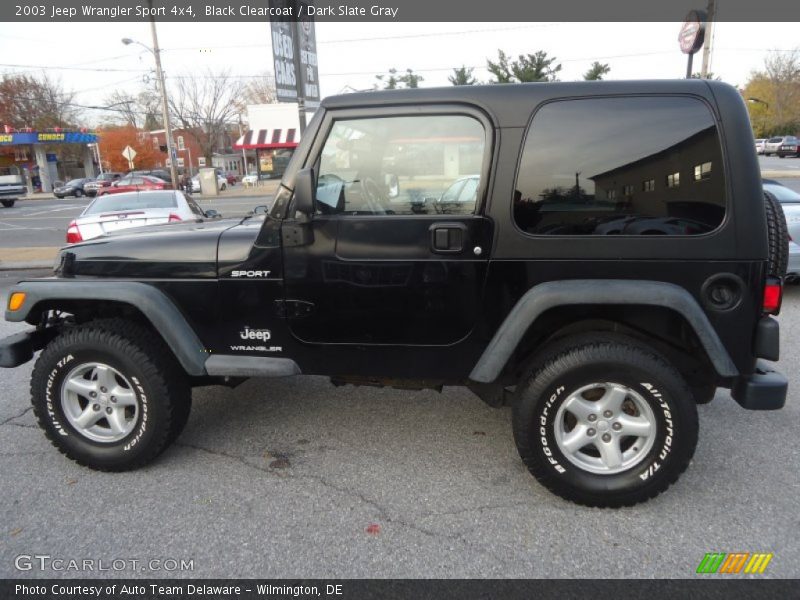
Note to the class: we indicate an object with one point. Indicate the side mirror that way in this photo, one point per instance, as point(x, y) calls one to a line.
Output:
point(392, 185)
point(304, 192)
point(212, 214)
point(115, 183)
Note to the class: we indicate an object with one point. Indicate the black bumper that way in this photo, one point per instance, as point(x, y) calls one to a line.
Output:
point(765, 389)
point(18, 349)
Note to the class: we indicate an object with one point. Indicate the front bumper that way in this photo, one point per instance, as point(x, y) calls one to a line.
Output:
point(18, 349)
point(765, 389)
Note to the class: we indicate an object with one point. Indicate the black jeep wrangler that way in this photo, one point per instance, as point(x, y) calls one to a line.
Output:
point(599, 255)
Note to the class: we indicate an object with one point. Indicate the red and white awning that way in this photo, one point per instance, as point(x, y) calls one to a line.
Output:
point(268, 138)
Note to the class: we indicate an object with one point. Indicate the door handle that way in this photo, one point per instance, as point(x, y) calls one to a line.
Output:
point(448, 237)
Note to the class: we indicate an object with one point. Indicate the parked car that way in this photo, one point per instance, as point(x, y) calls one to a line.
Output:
point(603, 344)
point(12, 185)
point(73, 187)
point(760, 145)
point(250, 179)
point(134, 183)
point(222, 183)
point(789, 147)
point(159, 173)
point(772, 145)
point(790, 203)
point(107, 214)
point(101, 181)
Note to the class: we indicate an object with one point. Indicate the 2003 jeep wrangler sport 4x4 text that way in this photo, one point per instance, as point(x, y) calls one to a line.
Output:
point(599, 255)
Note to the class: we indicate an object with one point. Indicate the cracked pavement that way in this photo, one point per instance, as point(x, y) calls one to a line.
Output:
point(296, 478)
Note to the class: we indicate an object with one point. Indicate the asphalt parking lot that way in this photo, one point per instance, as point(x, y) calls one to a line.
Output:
point(296, 478)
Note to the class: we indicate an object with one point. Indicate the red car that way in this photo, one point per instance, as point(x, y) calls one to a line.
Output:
point(135, 183)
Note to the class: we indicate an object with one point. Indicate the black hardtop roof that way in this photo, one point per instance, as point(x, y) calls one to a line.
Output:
point(510, 105)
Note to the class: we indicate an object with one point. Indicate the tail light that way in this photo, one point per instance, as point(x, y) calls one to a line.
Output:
point(773, 295)
point(173, 218)
point(73, 233)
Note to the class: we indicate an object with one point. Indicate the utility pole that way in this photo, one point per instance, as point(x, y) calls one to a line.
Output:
point(244, 152)
point(707, 49)
point(164, 105)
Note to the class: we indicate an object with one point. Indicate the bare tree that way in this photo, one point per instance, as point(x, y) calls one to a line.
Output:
point(258, 90)
point(38, 102)
point(142, 110)
point(205, 106)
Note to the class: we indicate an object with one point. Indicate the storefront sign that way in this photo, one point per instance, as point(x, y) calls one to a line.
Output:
point(46, 137)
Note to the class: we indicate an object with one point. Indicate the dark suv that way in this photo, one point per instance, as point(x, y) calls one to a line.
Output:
point(615, 265)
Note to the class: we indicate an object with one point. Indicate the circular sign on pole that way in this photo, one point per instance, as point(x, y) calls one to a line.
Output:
point(693, 32)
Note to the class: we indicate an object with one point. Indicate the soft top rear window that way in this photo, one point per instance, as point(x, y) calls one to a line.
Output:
point(136, 200)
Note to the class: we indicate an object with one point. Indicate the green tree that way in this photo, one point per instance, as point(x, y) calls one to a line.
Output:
point(462, 76)
point(596, 71)
point(527, 67)
point(393, 81)
point(389, 81)
point(773, 95)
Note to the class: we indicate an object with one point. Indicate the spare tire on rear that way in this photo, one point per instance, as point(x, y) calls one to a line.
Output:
point(777, 235)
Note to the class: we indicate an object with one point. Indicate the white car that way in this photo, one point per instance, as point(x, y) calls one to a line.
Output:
point(760, 145)
point(222, 183)
point(773, 144)
point(250, 179)
point(115, 212)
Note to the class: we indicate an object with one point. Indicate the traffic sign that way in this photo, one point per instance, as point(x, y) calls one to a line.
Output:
point(129, 153)
point(692, 32)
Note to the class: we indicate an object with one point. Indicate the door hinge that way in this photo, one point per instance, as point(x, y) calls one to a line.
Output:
point(293, 309)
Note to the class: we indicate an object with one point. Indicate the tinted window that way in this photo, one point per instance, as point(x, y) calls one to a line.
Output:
point(626, 166)
point(118, 202)
point(399, 165)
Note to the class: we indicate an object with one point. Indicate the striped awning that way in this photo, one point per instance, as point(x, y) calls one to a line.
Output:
point(268, 138)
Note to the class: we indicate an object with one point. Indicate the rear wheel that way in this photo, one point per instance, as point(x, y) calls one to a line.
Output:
point(7, 203)
point(78, 193)
point(606, 423)
point(108, 396)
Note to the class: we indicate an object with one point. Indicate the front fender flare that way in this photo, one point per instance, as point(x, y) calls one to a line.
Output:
point(545, 296)
point(156, 306)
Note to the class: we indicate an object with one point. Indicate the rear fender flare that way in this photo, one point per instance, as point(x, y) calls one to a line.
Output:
point(545, 296)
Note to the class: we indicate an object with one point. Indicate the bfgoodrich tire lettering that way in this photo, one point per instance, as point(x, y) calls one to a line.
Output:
point(161, 393)
point(632, 367)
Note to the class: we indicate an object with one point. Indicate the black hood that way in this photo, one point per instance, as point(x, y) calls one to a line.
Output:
point(176, 250)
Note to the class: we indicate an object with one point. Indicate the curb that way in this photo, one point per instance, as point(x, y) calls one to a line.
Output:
point(24, 266)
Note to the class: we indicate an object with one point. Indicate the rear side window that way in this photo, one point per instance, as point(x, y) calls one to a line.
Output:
point(120, 202)
point(621, 166)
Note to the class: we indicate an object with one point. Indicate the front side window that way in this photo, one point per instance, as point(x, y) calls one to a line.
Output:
point(577, 153)
point(401, 166)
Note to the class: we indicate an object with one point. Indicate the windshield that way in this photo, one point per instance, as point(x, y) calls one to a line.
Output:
point(782, 193)
point(135, 201)
point(75, 182)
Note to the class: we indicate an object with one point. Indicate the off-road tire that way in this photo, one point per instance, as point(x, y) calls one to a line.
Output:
point(778, 237)
point(633, 365)
point(162, 392)
point(703, 394)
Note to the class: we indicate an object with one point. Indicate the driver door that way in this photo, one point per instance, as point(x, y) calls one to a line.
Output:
point(383, 263)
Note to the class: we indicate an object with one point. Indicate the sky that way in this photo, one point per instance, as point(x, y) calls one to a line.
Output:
point(90, 58)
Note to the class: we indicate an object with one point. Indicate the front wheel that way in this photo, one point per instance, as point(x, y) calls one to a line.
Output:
point(109, 395)
point(7, 203)
point(606, 423)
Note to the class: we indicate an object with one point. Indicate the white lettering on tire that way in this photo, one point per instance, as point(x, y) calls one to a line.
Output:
point(543, 430)
point(51, 413)
point(667, 447)
point(143, 423)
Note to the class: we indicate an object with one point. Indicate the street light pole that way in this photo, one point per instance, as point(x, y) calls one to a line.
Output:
point(164, 104)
